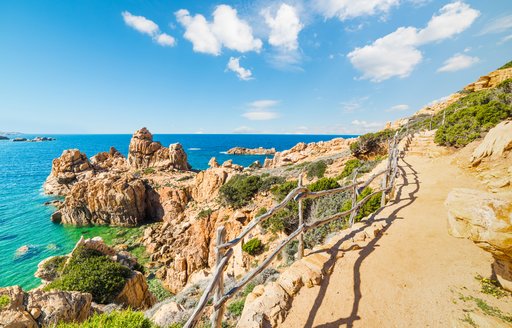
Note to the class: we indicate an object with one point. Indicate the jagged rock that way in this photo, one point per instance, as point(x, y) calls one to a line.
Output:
point(178, 157)
point(72, 166)
point(486, 219)
point(497, 141)
point(207, 184)
point(135, 293)
point(302, 152)
point(166, 313)
point(143, 153)
point(59, 306)
point(107, 199)
point(46, 271)
point(16, 319)
point(16, 296)
point(113, 160)
point(213, 163)
point(251, 151)
point(491, 80)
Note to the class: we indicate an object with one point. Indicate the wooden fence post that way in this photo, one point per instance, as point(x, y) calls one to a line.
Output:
point(218, 314)
point(300, 250)
point(354, 198)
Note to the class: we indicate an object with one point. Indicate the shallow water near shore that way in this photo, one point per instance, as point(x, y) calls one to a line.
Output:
point(24, 166)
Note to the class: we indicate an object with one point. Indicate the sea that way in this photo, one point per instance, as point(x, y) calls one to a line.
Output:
point(24, 166)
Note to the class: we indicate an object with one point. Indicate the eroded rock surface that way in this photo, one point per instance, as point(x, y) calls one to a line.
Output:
point(72, 166)
point(486, 219)
point(497, 141)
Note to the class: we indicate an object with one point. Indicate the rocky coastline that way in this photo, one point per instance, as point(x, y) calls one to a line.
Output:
point(251, 151)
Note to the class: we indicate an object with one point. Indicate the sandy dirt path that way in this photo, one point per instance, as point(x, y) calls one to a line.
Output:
point(409, 276)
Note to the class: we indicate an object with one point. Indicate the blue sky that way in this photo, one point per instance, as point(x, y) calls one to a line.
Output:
point(324, 66)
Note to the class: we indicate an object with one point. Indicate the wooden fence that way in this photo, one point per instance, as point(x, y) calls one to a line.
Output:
point(224, 250)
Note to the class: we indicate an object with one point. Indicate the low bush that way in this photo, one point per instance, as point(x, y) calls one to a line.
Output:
point(90, 271)
point(507, 65)
point(5, 300)
point(204, 213)
point(115, 319)
point(149, 170)
point(240, 189)
point(349, 167)
point(54, 266)
point(282, 190)
point(324, 184)
point(236, 307)
point(156, 288)
point(368, 208)
point(371, 144)
point(253, 246)
point(316, 169)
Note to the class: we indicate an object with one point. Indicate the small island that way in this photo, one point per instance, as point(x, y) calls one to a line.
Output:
point(4, 138)
point(251, 151)
point(36, 139)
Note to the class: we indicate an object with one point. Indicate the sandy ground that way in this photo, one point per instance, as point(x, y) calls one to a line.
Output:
point(414, 274)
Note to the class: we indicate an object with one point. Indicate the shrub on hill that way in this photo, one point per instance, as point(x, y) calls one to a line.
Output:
point(90, 271)
point(507, 65)
point(252, 246)
point(371, 144)
point(470, 117)
point(316, 169)
point(115, 319)
point(324, 184)
point(240, 189)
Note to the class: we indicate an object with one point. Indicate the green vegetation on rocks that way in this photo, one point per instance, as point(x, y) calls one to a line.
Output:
point(371, 144)
point(240, 189)
point(350, 166)
point(252, 246)
point(316, 169)
point(5, 300)
point(115, 319)
point(507, 65)
point(90, 271)
point(324, 184)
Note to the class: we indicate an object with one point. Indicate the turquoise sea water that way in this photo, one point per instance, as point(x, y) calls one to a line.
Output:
point(24, 166)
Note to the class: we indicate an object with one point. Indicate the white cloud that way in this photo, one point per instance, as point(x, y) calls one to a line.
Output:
point(140, 23)
point(353, 105)
point(226, 30)
point(346, 9)
point(505, 39)
point(398, 108)
point(454, 18)
point(367, 125)
point(260, 110)
point(243, 73)
point(498, 25)
point(285, 27)
point(397, 54)
point(147, 26)
point(165, 40)
point(458, 62)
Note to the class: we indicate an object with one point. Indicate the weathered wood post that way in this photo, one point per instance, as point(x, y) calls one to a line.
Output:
point(218, 314)
point(354, 198)
point(300, 250)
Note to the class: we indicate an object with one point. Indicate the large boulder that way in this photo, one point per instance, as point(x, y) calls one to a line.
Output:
point(135, 293)
point(497, 141)
point(111, 160)
point(71, 167)
point(486, 219)
point(52, 307)
point(178, 157)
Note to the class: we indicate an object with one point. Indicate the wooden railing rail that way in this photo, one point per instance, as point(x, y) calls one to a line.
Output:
point(224, 250)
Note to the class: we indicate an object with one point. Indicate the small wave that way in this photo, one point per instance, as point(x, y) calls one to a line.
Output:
point(223, 152)
point(194, 149)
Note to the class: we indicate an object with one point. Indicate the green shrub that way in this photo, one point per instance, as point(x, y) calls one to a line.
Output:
point(253, 246)
point(5, 300)
point(115, 319)
point(90, 271)
point(371, 144)
point(54, 266)
point(282, 190)
point(507, 65)
point(240, 189)
point(290, 250)
point(350, 166)
point(316, 169)
point(156, 288)
point(261, 211)
point(249, 288)
point(368, 208)
point(324, 184)
point(205, 213)
point(149, 170)
point(236, 307)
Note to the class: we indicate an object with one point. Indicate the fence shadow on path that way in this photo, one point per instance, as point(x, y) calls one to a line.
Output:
point(410, 178)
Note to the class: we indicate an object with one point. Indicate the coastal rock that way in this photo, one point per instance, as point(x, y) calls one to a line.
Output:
point(59, 306)
point(166, 313)
point(207, 183)
point(178, 157)
point(251, 151)
point(107, 199)
point(213, 163)
point(491, 80)
point(486, 219)
point(72, 166)
point(302, 152)
point(135, 293)
point(4, 138)
point(16, 296)
point(497, 141)
point(113, 160)
point(16, 319)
